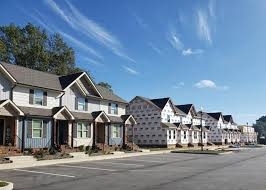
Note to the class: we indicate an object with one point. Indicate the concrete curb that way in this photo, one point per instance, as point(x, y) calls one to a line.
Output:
point(26, 164)
point(10, 186)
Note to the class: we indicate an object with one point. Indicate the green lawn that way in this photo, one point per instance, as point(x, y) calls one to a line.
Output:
point(2, 184)
point(214, 152)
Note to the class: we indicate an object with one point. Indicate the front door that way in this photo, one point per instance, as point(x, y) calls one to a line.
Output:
point(63, 132)
point(2, 130)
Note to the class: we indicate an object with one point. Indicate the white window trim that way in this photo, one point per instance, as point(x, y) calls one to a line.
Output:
point(114, 109)
point(83, 131)
point(83, 104)
point(118, 128)
point(34, 97)
point(32, 128)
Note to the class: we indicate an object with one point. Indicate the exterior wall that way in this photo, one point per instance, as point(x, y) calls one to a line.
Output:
point(80, 141)
point(21, 98)
point(148, 130)
point(104, 107)
point(5, 87)
point(112, 140)
point(248, 134)
point(36, 142)
point(191, 137)
point(182, 138)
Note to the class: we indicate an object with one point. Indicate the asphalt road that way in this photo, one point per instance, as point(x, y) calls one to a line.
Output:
point(245, 170)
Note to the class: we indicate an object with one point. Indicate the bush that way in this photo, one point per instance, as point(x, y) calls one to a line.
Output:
point(39, 154)
point(81, 148)
point(28, 151)
point(3, 184)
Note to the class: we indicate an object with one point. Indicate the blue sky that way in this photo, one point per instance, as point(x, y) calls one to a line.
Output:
point(210, 53)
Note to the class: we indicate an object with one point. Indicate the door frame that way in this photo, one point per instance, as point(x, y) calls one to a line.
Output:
point(58, 126)
point(4, 130)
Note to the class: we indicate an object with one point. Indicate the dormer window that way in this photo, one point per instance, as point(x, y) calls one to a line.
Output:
point(38, 97)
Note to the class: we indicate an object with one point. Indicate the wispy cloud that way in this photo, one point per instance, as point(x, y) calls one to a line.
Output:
point(212, 7)
point(175, 41)
point(154, 48)
point(189, 51)
point(91, 61)
point(130, 70)
point(140, 21)
point(179, 85)
point(80, 44)
point(210, 84)
point(75, 19)
point(203, 26)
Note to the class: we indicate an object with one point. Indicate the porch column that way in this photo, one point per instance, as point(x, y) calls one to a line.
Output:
point(108, 134)
point(23, 135)
point(72, 134)
point(94, 134)
point(124, 134)
point(53, 140)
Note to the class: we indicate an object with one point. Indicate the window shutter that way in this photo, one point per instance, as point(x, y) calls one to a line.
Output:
point(31, 96)
point(86, 104)
point(44, 132)
point(116, 110)
point(74, 130)
point(45, 98)
point(29, 129)
point(109, 108)
point(76, 103)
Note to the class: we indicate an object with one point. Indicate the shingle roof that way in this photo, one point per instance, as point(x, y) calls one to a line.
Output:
point(215, 115)
point(37, 111)
point(168, 125)
point(160, 102)
point(32, 77)
point(109, 95)
point(68, 79)
point(185, 108)
point(82, 116)
point(115, 119)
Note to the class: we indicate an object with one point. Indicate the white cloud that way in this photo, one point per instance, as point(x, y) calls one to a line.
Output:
point(89, 28)
point(179, 85)
point(154, 48)
point(205, 84)
point(175, 41)
point(204, 30)
point(189, 51)
point(81, 45)
point(91, 61)
point(210, 84)
point(130, 70)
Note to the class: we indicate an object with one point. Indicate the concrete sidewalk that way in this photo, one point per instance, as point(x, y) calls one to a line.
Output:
point(33, 163)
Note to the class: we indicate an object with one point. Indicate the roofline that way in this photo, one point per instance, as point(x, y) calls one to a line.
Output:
point(64, 108)
point(81, 75)
point(8, 74)
point(21, 84)
point(21, 113)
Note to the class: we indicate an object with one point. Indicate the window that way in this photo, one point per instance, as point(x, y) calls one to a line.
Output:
point(168, 118)
point(116, 131)
point(185, 134)
point(170, 134)
point(81, 104)
point(195, 135)
point(113, 108)
point(174, 134)
point(37, 129)
point(83, 131)
point(38, 97)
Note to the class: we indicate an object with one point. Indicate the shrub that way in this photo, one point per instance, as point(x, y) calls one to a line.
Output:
point(81, 148)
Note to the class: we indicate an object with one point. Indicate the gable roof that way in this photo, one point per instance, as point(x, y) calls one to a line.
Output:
point(109, 95)
point(229, 118)
point(30, 77)
point(216, 115)
point(185, 107)
point(66, 80)
point(160, 102)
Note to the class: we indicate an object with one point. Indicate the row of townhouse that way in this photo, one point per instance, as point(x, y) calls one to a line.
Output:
point(39, 109)
point(161, 123)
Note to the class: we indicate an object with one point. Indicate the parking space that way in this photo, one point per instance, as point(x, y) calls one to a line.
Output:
point(138, 172)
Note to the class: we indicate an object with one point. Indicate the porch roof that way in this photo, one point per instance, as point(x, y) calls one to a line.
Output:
point(37, 111)
point(115, 119)
point(82, 116)
point(13, 106)
point(168, 125)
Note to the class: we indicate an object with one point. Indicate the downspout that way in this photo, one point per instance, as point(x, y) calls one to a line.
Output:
point(11, 92)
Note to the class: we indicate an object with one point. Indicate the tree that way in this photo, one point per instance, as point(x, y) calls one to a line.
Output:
point(32, 47)
point(260, 126)
point(106, 85)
